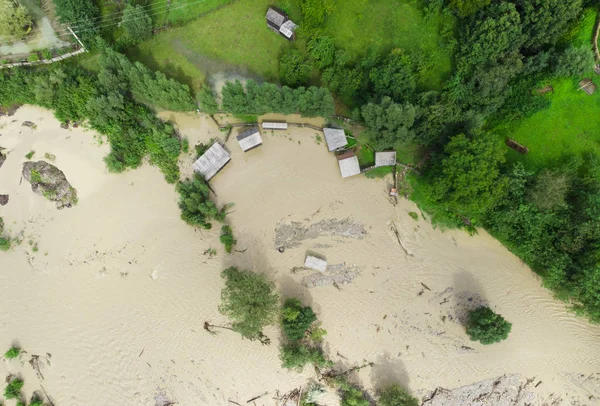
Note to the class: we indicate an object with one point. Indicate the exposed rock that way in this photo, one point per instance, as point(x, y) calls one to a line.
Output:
point(49, 181)
point(3, 200)
point(29, 124)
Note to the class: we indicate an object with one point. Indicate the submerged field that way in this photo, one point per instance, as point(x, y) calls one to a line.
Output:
point(235, 38)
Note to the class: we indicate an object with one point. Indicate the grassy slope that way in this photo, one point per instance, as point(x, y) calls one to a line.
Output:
point(236, 36)
point(571, 125)
point(359, 25)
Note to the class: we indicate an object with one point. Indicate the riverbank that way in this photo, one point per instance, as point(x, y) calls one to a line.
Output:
point(119, 287)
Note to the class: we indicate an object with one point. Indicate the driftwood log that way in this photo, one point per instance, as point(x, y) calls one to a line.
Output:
point(516, 146)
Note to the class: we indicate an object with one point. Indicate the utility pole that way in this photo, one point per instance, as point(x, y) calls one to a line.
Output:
point(77, 38)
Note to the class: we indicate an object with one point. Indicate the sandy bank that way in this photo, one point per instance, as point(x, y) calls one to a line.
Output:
point(119, 289)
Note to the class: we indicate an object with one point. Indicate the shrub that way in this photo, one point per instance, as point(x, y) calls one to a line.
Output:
point(396, 396)
point(36, 401)
point(13, 389)
point(295, 356)
point(486, 326)
point(351, 395)
point(294, 70)
point(34, 57)
point(413, 215)
point(227, 238)
point(137, 25)
point(574, 61)
point(5, 244)
point(296, 319)
point(196, 207)
point(249, 300)
point(30, 154)
point(13, 352)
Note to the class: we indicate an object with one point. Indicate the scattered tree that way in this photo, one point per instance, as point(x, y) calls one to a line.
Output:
point(296, 319)
point(321, 51)
point(486, 326)
point(227, 238)
point(396, 396)
point(137, 25)
point(13, 389)
point(194, 201)
point(294, 69)
point(15, 21)
point(296, 355)
point(249, 301)
point(351, 395)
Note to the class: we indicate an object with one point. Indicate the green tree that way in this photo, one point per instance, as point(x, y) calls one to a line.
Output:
point(83, 15)
point(296, 355)
point(13, 389)
point(227, 238)
point(15, 21)
point(351, 395)
point(486, 326)
point(389, 122)
point(137, 25)
point(194, 202)
point(249, 301)
point(396, 396)
point(467, 8)
point(469, 180)
point(394, 77)
point(207, 101)
point(550, 190)
point(13, 352)
point(294, 69)
point(321, 51)
point(574, 61)
point(296, 319)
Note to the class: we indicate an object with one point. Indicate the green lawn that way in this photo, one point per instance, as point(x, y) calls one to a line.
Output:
point(569, 126)
point(180, 11)
point(360, 25)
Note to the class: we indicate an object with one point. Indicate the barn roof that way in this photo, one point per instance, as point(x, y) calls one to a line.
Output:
point(212, 161)
point(349, 167)
point(315, 263)
point(249, 139)
point(288, 28)
point(387, 158)
point(587, 86)
point(275, 16)
point(274, 125)
point(335, 138)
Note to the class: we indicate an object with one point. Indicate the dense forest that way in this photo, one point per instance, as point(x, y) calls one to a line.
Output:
point(502, 51)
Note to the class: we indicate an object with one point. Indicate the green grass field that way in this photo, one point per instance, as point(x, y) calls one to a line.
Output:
point(180, 11)
point(569, 126)
point(235, 38)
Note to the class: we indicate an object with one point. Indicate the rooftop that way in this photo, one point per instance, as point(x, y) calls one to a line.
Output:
point(275, 16)
point(349, 167)
point(249, 139)
point(288, 28)
point(274, 125)
point(315, 263)
point(335, 138)
point(387, 158)
point(211, 161)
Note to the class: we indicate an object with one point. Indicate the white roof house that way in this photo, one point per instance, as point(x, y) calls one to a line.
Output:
point(212, 161)
point(287, 29)
point(349, 166)
point(335, 138)
point(249, 139)
point(315, 263)
point(387, 158)
point(279, 22)
point(274, 125)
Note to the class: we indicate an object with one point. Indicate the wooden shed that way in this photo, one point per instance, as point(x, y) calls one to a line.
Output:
point(249, 139)
point(279, 22)
point(387, 158)
point(212, 161)
point(315, 263)
point(587, 86)
point(349, 166)
point(335, 138)
point(274, 125)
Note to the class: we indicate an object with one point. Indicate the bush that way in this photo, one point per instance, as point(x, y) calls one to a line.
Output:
point(351, 395)
point(487, 327)
point(574, 61)
point(296, 319)
point(15, 21)
point(294, 70)
point(137, 25)
point(249, 300)
point(36, 401)
point(194, 202)
point(13, 389)
point(396, 396)
point(5, 244)
point(227, 238)
point(295, 356)
point(13, 352)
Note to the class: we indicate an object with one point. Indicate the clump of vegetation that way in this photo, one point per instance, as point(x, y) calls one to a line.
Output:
point(13, 352)
point(185, 145)
point(350, 394)
point(13, 389)
point(5, 243)
point(36, 401)
point(136, 24)
point(227, 238)
point(194, 201)
point(36, 177)
point(294, 69)
point(30, 154)
point(50, 157)
point(487, 327)
point(201, 148)
point(206, 100)
point(296, 355)
point(396, 396)
point(413, 215)
point(296, 319)
point(249, 300)
point(15, 21)
point(211, 252)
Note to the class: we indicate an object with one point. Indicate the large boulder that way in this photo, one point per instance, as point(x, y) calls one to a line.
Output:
point(49, 181)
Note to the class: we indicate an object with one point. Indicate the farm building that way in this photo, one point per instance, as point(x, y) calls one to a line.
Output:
point(279, 22)
point(315, 263)
point(335, 138)
point(349, 166)
point(274, 125)
point(387, 158)
point(587, 86)
point(249, 139)
point(212, 161)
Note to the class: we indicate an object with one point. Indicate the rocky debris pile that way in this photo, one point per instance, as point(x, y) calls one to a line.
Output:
point(49, 181)
point(507, 390)
point(3, 200)
point(29, 124)
point(291, 235)
point(338, 274)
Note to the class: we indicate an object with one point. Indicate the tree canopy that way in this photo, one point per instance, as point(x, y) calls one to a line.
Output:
point(487, 327)
point(296, 319)
point(396, 396)
point(136, 23)
point(15, 21)
point(294, 69)
point(194, 201)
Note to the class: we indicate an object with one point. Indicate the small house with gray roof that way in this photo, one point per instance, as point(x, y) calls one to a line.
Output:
point(212, 161)
point(249, 139)
point(279, 22)
point(335, 138)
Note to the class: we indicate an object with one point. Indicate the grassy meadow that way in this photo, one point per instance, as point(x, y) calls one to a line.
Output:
point(569, 126)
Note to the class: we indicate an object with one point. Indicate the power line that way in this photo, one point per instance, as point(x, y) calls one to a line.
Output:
point(115, 16)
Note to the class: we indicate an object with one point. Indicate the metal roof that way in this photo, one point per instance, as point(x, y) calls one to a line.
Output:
point(212, 161)
point(288, 28)
point(387, 158)
point(249, 139)
point(349, 167)
point(335, 138)
point(274, 125)
point(315, 263)
point(275, 16)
